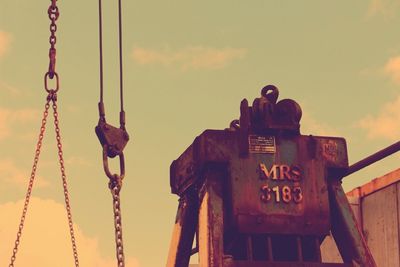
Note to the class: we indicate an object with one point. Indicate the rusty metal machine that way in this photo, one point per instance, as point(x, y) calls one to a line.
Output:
point(261, 194)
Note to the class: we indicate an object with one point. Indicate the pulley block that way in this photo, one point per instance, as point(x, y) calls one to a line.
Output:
point(112, 138)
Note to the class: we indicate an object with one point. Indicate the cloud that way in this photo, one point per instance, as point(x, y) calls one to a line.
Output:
point(13, 175)
point(310, 125)
point(5, 40)
point(45, 241)
point(10, 118)
point(392, 69)
point(386, 8)
point(192, 57)
point(9, 90)
point(78, 161)
point(384, 125)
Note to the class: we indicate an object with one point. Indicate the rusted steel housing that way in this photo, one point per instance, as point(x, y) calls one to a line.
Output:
point(262, 194)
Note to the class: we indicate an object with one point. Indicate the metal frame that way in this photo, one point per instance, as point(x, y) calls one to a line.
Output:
point(199, 177)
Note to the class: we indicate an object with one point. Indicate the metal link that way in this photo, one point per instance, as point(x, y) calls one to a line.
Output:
point(53, 13)
point(64, 180)
point(31, 181)
point(118, 221)
point(47, 76)
point(121, 165)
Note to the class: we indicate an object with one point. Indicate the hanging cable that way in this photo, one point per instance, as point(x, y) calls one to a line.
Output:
point(113, 139)
point(121, 79)
point(53, 13)
point(101, 53)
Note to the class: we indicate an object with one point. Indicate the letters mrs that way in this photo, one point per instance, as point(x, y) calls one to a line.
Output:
point(280, 172)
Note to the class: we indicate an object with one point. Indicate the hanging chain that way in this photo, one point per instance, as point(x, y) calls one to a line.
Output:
point(118, 225)
point(64, 181)
point(52, 97)
point(31, 180)
point(53, 13)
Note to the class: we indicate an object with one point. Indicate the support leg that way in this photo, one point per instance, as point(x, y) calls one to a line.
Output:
point(211, 220)
point(349, 239)
point(184, 230)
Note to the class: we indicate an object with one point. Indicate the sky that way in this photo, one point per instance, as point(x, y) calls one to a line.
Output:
point(187, 66)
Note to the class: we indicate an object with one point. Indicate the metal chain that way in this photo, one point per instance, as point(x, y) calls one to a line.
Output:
point(31, 180)
point(52, 97)
point(64, 181)
point(115, 188)
point(53, 13)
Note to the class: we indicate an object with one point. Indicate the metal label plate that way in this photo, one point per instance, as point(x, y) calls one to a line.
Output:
point(262, 144)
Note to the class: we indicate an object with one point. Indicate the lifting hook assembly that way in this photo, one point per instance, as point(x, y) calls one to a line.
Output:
point(113, 140)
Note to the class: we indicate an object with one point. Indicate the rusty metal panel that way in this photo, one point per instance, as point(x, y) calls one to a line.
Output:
point(212, 146)
point(381, 225)
point(283, 189)
point(291, 169)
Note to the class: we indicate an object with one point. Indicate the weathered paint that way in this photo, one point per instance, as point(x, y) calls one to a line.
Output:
point(245, 183)
point(308, 217)
point(345, 229)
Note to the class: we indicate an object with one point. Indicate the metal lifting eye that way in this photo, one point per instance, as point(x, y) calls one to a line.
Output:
point(114, 177)
point(270, 92)
point(234, 125)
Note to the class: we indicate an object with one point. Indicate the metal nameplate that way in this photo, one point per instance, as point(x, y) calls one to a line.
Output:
point(262, 144)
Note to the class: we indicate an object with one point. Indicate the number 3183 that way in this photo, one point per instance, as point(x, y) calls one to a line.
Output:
point(284, 194)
